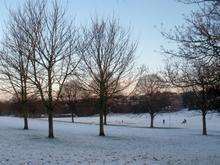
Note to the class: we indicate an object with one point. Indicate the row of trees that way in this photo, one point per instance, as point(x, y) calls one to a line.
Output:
point(44, 56)
point(150, 95)
point(42, 50)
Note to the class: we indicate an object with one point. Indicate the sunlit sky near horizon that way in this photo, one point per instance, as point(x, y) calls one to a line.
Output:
point(143, 16)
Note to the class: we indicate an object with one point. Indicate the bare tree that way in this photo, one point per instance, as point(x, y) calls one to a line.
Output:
point(151, 91)
point(197, 78)
point(199, 37)
point(15, 63)
point(51, 50)
point(108, 54)
point(55, 60)
point(71, 92)
point(197, 55)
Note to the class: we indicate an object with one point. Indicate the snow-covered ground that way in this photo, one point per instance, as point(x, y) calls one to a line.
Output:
point(80, 143)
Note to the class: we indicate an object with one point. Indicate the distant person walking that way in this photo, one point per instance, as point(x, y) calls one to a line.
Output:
point(163, 121)
point(184, 122)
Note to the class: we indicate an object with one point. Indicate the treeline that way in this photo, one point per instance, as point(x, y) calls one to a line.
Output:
point(36, 109)
point(191, 101)
point(87, 106)
point(43, 53)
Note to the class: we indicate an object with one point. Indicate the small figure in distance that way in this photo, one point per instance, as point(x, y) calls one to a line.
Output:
point(163, 121)
point(184, 121)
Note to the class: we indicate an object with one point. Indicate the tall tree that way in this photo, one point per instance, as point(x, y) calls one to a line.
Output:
point(197, 55)
point(108, 54)
point(51, 49)
point(197, 78)
point(14, 63)
point(55, 59)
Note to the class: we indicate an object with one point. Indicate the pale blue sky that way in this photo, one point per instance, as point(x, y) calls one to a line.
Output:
point(141, 15)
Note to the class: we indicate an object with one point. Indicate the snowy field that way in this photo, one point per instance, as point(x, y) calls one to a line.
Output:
point(80, 143)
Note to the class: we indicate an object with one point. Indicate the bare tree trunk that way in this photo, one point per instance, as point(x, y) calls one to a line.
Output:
point(25, 115)
point(72, 114)
point(50, 104)
point(50, 123)
point(25, 123)
point(101, 115)
point(105, 112)
point(101, 124)
point(204, 130)
point(151, 120)
point(105, 118)
point(50, 115)
point(105, 108)
point(204, 110)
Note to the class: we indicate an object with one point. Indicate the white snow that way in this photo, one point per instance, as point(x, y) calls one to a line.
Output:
point(80, 144)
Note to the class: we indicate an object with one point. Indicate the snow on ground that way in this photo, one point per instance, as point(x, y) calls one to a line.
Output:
point(79, 143)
